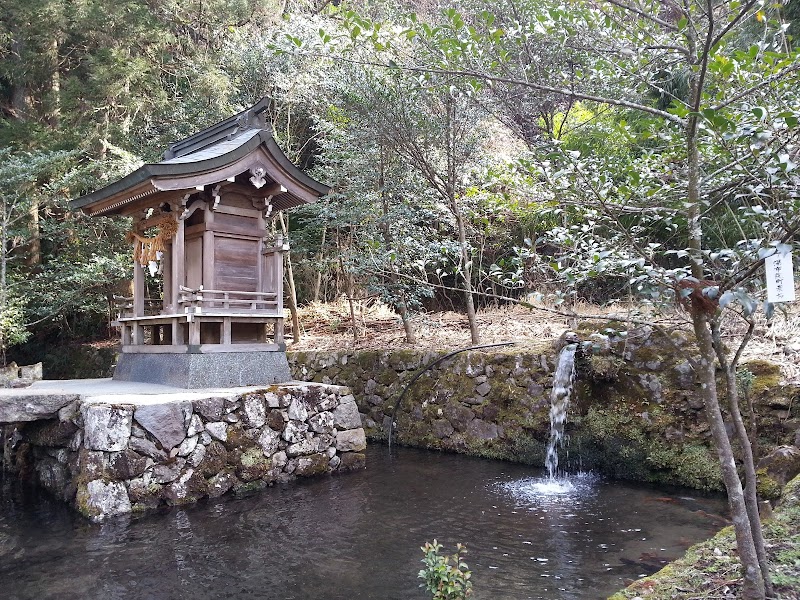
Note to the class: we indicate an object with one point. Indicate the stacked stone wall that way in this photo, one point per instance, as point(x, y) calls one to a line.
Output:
point(113, 458)
point(636, 412)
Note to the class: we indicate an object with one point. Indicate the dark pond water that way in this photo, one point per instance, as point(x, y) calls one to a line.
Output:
point(357, 536)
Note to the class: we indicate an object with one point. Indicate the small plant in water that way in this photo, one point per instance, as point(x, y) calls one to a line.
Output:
point(446, 577)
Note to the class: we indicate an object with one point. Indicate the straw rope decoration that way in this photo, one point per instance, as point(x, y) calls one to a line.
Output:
point(145, 249)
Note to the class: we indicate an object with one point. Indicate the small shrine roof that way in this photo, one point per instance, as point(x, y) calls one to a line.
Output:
point(239, 149)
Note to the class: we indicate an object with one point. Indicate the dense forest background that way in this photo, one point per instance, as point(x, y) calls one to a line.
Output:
point(500, 149)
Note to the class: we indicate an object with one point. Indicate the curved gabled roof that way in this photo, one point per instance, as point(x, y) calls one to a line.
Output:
point(238, 146)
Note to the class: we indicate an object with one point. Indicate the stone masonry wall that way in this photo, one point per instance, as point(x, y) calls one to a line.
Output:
point(459, 404)
point(113, 458)
point(635, 412)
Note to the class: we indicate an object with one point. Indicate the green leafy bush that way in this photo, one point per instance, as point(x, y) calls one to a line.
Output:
point(446, 577)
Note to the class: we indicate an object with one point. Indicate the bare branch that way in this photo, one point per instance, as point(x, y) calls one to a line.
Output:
point(567, 93)
point(644, 15)
point(763, 83)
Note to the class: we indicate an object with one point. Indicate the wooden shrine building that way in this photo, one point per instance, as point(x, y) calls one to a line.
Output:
point(207, 305)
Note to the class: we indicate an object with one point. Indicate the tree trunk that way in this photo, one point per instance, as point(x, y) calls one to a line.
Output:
point(348, 289)
point(53, 107)
point(408, 326)
point(465, 259)
point(3, 274)
point(20, 102)
point(290, 279)
point(754, 582)
point(33, 257)
point(748, 460)
point(350, 292)
point(753, 588)
point(400, 306)
point(750, 492)
point(466, 270)
point(318, 280)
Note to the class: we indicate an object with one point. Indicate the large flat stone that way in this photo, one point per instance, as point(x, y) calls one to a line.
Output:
point(107, 428)
point(21, 405)
point(216, 370)
point(166, 422)
point(345, 416)
point(101, 500)
point(353, 440)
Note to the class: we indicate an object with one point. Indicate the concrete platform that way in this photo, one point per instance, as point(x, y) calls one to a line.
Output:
point(199, 371)
point(45, 398)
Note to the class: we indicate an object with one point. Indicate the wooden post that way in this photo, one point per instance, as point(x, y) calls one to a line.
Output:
point(194, 333)
point(290, 279)
point(167, 304)
point(277, 273)
point(137, 334)
point(208, 254)
point(178, 266)
point(138, 290)
point(226, 331)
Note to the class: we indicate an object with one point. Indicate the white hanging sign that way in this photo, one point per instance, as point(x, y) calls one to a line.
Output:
point(780, 278)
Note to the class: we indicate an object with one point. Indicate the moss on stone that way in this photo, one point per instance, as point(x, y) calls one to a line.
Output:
point(697, 467)
point(767, 486)
point(249, 487)
point(636, 418)
point(238, 439)
point(604, 367)
point(710, 564)
point(767, 376)
point(253, 465)
point(622, 444)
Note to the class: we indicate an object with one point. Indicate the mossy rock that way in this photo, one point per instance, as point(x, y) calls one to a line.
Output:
point(790, 497)
point(767, 486)
point(604, 367)
point(767, 377)
point(253, 465)
point(314, 464)
point(249, 487)
point(51, 433)
point(186, 490)
point(214, 460)
point(238, 439)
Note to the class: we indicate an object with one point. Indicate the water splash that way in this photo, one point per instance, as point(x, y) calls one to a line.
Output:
point(559, 403)
point(556, 493)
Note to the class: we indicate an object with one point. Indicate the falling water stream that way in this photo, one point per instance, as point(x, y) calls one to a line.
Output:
point(559, 404)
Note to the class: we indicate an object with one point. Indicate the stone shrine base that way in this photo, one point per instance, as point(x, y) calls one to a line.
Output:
point(110, 448)
point(193, 371)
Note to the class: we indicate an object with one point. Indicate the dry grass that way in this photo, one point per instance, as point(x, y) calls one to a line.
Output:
point(327, 326)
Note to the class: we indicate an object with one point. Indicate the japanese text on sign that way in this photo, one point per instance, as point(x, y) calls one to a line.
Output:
point(780, 278)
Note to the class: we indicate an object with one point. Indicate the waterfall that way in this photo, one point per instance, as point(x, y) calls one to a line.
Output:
point(559, 403)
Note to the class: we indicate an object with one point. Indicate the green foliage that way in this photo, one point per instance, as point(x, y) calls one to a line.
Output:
point(12, 326)
point(446, 577)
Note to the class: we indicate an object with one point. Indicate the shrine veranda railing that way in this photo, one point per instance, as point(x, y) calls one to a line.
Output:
point(207, 320)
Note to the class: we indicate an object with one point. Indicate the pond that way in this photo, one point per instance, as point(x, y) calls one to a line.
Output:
point(358, 536)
